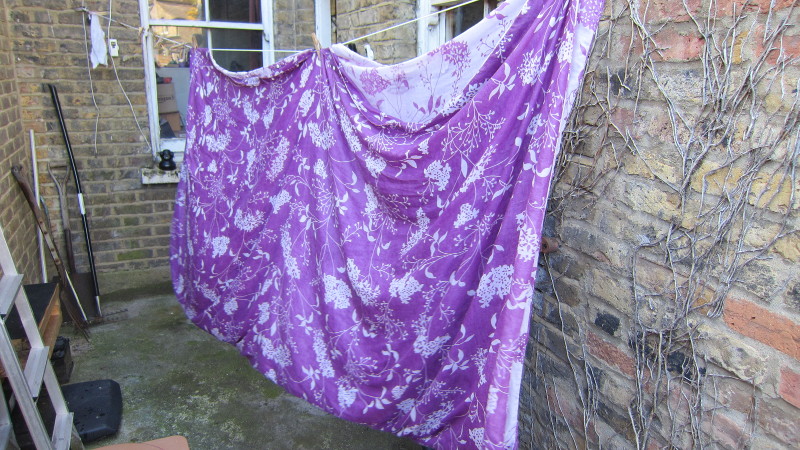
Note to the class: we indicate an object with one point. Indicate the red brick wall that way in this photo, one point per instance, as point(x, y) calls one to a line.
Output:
point(625, 190)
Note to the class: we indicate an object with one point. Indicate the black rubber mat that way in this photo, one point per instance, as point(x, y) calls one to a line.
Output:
point(97, 406)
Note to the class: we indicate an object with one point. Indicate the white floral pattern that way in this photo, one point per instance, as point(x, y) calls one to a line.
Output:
point(495, 283)
point(403, 288)
point(337, 292)
point(466, 214)
point(368, 235)
point(220, 245)
point(439, 174)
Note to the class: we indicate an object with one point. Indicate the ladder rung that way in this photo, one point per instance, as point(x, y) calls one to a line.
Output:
point(5, 420)
point(34, 368)
point(5, 434)
point(62, 431)
point(9, 288)
point(5, 424)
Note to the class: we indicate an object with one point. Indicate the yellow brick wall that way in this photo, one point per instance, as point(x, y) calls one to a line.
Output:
point(15, 217)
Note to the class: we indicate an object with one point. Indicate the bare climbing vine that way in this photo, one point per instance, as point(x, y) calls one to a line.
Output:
point(734, 152)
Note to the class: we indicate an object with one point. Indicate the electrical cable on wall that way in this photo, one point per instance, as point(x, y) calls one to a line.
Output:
point(91, 84)
point(116, 75)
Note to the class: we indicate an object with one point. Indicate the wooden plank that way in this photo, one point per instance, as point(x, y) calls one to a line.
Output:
point(51, 326)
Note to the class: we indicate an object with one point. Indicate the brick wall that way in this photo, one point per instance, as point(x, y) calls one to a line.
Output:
point(632, 197)
point(129, 221)
point(294, 23)
point(16, 220)
point(661, 207)
point(356, 18)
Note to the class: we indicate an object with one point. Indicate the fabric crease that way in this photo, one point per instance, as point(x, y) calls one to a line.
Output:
point(368, 235)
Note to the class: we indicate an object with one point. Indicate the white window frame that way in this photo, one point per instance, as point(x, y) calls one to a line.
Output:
point(322, 22)
point(432, 32)
point(178, 145)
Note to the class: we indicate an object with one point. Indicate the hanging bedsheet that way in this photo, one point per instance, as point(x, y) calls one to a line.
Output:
point(367, 235)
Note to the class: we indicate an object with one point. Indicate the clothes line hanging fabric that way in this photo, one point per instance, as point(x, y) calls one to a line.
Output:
point(367, 235)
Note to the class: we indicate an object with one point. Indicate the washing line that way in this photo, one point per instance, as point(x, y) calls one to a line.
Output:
point(158, 37)
point(184, 44)
point(410, 21)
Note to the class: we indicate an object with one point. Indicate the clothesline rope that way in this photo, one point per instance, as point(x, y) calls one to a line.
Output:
point(410, 21)
point(184, 44)
point(158, 37)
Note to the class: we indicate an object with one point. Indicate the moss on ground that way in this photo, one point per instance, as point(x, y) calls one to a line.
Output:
point(177, 379)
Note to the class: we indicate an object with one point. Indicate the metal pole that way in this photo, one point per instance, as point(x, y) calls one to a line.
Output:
point(92, 269)
point(35, 170)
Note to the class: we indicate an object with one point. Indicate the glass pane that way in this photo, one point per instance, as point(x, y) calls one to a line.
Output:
point(170, 44)
point(460, 19)
point(237, 50)
point(247, 11)
point(177, 9)
point(172, 75)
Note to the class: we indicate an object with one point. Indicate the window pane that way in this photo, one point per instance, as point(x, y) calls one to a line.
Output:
point(170, 44)
point(230, 49)
point(172, 75)
point(235, 50)
point(247, 11)
point(177, 9)
point(460, 19)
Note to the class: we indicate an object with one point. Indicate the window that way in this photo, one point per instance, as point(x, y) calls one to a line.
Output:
point(238, 32)
point(441, 28)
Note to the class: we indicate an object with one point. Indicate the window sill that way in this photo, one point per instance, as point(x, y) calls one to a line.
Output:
point(158, 176)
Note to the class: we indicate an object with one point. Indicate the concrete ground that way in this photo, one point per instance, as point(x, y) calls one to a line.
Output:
point(177, 379)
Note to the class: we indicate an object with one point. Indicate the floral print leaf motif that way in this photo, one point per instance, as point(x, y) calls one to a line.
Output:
point(496, 283)
point(404, 288)
point(456, 53)
point(368, 235)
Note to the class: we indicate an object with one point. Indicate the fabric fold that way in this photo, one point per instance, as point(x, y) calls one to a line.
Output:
point(368, 235)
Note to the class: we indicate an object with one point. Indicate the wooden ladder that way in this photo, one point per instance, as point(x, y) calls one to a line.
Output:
point(26, 384)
